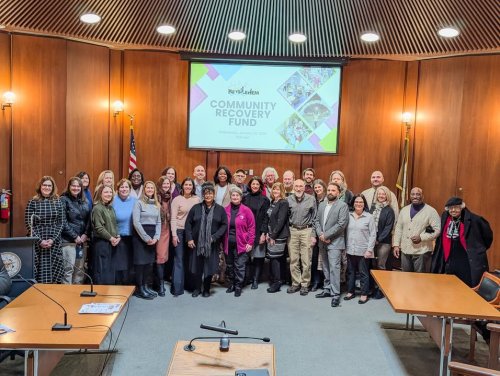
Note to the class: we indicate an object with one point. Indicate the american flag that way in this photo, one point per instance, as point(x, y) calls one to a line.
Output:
point(132, 162)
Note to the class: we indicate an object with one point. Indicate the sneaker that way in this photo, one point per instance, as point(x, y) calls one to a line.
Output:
point(304, 291)
point(293, 289)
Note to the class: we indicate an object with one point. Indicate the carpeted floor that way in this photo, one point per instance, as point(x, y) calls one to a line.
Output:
point(311, 338)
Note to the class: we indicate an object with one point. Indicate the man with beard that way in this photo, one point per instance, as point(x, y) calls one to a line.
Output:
point(199, 179)
point(308, 176)
point(302, 237)
point(288, 179)
point(417, 227)
point(331, 221)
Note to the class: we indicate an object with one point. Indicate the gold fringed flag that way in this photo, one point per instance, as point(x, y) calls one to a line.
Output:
point(402, 182)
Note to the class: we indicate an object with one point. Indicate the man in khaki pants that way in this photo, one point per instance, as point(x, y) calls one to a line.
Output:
point(302, 237)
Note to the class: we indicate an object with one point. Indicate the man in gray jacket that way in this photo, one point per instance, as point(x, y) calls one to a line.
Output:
point(331, 222)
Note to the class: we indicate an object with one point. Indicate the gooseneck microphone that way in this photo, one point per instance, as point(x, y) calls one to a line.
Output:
point(223, 340)
point(84, 293)
point(57, 326)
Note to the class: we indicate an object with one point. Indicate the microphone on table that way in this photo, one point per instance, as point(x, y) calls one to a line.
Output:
point(57, 326)
point(84, 293)
point(221, 329)
point(224, 342)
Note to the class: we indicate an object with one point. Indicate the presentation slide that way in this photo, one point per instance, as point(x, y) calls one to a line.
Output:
point(271, 108)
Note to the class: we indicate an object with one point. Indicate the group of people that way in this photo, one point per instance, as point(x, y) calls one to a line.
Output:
point(197, 232)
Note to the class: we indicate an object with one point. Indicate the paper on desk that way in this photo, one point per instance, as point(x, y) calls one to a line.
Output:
point(106, 308)
point(5, 329)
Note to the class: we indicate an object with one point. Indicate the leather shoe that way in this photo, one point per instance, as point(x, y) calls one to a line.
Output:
point(206, 294)
point(379, 295)
point(363, 301)
point(304, 291)
point(349, 297)
point(335, 301)
point(314, 287)
point(324, 294)
point(195, 293)
point(274, 288)
point(230, 289)
point(292, 289)
point(237, 293)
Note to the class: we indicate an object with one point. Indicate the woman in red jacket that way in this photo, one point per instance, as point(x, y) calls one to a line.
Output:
point(239, 240)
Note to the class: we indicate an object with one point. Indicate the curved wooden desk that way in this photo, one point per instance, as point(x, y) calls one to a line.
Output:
point(32, 315)
point(437, 297)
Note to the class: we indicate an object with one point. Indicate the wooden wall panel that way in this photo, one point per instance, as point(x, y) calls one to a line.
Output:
point(370, 125)
point(39, 119)
point(156, 90)
point(5, 124)
point(437, 129)
point(478, 176)
point(116, 123)
point(87, 104)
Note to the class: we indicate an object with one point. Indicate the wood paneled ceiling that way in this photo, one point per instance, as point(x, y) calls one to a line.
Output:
point(407, 28)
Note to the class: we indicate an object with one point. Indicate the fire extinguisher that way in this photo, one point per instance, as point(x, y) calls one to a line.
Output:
point(5, 198)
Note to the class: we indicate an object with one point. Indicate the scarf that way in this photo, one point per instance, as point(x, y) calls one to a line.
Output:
point(164, 198)
point(205, 236)
point(453, 230)
point(376, 212)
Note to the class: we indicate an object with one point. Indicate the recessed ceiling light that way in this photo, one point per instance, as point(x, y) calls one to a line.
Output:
point(165, 29)
point(236, 35)
point(90, 18)
point(370, 37)
point(448, 32)
point(297, 38)
point(2, 26)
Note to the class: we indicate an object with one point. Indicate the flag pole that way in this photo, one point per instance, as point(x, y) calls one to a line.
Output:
point(132, 161)
point(402, 182)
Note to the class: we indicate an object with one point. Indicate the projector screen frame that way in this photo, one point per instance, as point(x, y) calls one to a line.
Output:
point(217, 59)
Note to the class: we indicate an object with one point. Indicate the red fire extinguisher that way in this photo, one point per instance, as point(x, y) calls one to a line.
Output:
point(5, 204)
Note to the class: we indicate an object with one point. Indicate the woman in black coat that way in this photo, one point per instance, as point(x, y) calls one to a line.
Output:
point(259, 204)
point(205, 227)
point(277, 233)
point(384, 218)
point(461, 247)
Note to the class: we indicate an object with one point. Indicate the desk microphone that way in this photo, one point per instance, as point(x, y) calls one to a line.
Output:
point(224, 342)
point(221, 329)
point(56, 326)
point(84, 293)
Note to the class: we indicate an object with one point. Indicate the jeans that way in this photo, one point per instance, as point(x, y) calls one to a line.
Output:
point(178, 269)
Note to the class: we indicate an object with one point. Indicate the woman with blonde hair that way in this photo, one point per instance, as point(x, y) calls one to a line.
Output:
point(45, 218)
point(384, 218)
point(346, 195)
point(105, 236)
point(278, 232)
point(106, 178)
point(147, 224)
point(164, 197)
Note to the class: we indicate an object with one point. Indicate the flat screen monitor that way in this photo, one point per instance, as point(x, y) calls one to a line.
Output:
point(267, 108)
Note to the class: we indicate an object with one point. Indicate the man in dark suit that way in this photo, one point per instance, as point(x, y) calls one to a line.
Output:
point(331, 222)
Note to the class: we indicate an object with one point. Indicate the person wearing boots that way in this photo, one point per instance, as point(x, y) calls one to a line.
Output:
point(205, 225)
point(278, 232)
point(163, 187)
point(259, 204)
point(147, 224)
point(239, 240)
point(123, 204)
